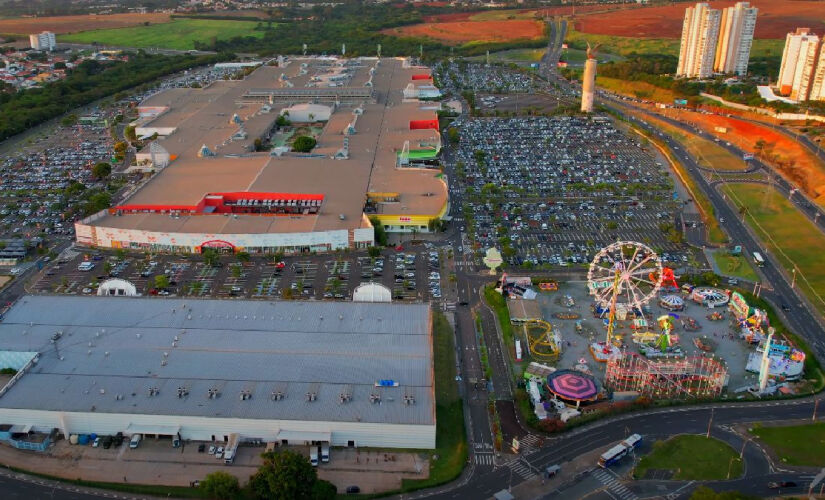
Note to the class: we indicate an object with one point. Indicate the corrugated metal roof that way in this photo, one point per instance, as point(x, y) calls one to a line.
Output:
point(112, 350)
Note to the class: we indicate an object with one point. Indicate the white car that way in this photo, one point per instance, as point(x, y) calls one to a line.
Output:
point(219, 452)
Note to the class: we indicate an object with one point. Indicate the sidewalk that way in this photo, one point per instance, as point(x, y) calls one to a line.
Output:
point(571, 472)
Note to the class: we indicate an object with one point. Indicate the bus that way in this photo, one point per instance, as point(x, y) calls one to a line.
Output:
point(618, 452)
point(758, 260)
point(613, 455)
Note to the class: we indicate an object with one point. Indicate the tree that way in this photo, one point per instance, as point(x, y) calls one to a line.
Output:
point(380, 232)
point(453, 135)
point(210, 257)
point(161, 281)
point(303, 144)
point(130, 133)
point(374, 252)
point(101, 170)
point(69, 120)
point(324, 490)
point(220, 485)
point(284, 475)
point(243, 256)
point(282, 121)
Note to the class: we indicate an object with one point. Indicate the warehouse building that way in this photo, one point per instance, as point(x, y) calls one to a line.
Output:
point(351, 374)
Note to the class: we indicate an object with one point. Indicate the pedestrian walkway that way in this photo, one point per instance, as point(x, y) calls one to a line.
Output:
point(522, 469)
point(613, 484)
point(485, 458)
point(529, 443)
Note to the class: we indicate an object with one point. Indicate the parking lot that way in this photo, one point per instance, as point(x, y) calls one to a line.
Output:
point(552, 191)
point(479, 77)
point(411, 275)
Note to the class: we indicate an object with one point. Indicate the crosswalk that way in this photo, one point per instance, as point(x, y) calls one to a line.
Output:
point(484, 458)
point(614, 485)
point(529, 443)
point(522, 469)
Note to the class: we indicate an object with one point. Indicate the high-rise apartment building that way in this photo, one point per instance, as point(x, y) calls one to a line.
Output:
point(733, 48)
point(803, 67)
point(700, 33)
point(43, 41)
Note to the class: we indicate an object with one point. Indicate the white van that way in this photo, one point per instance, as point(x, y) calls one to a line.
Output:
point(313, 455)
point(325, 452)
point(86, 266)
point(134, 442)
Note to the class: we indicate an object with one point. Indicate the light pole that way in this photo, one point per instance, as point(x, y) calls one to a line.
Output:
point(793, 279)
point(816, 403)
point(710, 422)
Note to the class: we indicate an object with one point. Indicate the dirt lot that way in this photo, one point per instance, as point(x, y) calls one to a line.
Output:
point(71, 24)
point(776, 19)
point(468, 31)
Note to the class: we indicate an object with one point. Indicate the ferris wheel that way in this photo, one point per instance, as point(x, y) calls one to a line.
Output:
point(625, 273)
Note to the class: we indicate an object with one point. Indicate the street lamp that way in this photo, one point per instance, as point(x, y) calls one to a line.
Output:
point(793, 279)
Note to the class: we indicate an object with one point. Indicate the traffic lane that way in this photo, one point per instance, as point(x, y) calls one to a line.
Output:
point(34, 488)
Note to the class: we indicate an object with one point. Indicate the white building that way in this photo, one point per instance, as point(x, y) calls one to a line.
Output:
point(802, 71)
point(304, 113)
point(350, 374)
point(700, 33)
point(43, 41)
point(117, 287)
point(733, 48)
point(371, 292)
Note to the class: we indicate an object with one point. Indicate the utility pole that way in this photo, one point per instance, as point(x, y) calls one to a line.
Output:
point(710, 422)
point(816, 403)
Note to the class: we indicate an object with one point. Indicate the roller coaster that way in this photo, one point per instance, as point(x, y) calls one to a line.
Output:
point(544, 343)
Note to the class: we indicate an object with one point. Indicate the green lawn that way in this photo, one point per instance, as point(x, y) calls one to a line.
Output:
point(451, 440)
point(788, 234)
point(625, 46)
point(502, 15)
point(734, 265)
point(692, 457)
point(179, 34)
point(796, 445)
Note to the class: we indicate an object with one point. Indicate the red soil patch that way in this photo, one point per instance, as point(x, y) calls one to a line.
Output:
point(792, 159)
point(73, 24)
point(470, 31)
point(775, 19)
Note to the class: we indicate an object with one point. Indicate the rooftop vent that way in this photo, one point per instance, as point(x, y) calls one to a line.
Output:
point(375, 398)
point(277, 395)
point(153, 391)
point(246, 394)
point(311, 396)
point(182, 391)
point(212, 393)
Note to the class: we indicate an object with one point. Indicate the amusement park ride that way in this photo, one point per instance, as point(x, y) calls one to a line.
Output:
point(623, 277)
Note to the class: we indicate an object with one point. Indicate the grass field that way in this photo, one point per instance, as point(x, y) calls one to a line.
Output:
point(179, 34)
point(467, 32)
point(788, 234)
point(692, 457)
point(68, 24)
point(451, 442)
point(707, 153)
point(795, 445)
point(503, 15)
point(734, 265)
point(641, 90)
point(625, 46)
